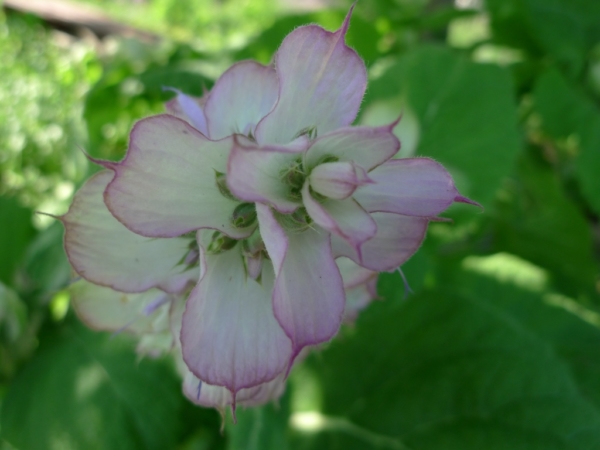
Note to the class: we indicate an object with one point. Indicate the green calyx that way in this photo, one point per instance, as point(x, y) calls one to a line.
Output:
point(221, 181)
point(295, 176)
point(298, 221)
point(244, 215)
point(220, 243)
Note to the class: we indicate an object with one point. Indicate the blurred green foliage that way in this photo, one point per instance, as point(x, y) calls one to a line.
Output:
point(499, 347)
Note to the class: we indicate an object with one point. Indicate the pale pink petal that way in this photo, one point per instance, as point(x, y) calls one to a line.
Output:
point(212, 396)
point(358, 298)
point(413, 186)
point(360, 286)
point(366, 146)
point(205, 394)
point(322, 82)
point(176, 317)
point(105, 309)
point(308, 299)
point(257, 174)
point(273, 235)
point(344, 218)
point(229, 335)
point(243, 95)
point(353, 274)
point(166, 185)
point(189, 109)
point(398, 238)
point(103, 251)
point(337, 180)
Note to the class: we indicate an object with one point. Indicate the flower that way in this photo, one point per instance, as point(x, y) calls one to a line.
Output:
point(265, 197)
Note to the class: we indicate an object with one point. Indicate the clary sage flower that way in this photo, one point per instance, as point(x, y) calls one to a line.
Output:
point(247, 225)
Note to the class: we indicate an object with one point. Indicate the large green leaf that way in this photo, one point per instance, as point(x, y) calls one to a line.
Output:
point(16, 230)
point(445, 371)
point(563, 29)
point(575, 340)
point(45, 268)
point(568, 114)
point(537, 221)
point(262, 428)
point(466, 113)
point(85, 390)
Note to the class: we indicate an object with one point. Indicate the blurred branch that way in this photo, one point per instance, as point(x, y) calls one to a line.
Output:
point(71, 17)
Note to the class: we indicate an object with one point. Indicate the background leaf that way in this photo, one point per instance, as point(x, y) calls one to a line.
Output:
point(85, 390)
point(466, 113)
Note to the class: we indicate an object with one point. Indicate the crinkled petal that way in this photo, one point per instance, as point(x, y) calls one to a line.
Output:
point(308, 298)
point(243, 95)
point(189, 109)
point(103, 251)
point(337, 180)
point(105, 309)
point(229, 334)
point(166, 185)
point(257, 174)
point(366, 146)
point(344, 218)
point(413, 186)
point(321, 84)
point(398, 238)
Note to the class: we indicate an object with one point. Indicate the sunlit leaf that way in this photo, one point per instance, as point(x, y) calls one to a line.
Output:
point(85, 390)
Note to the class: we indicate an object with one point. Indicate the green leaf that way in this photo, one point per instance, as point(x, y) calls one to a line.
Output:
point(444, 371)
point(567, 114)
point(537, 221)
point(466, 113)
point(45, 268)
point(15, 233)
point(260, 428)
point(569, 328)
point(564, 29)
point(85, 390)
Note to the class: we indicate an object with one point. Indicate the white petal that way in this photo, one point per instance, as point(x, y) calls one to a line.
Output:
point(103, 308)
point(242, 96)
point(167, 185)
point(104, 252)
point(229, 335)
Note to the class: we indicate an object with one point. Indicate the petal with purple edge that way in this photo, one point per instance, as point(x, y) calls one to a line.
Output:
point(344, 218)
point(229, 334)
point(398, 238)
point(308, 298)
point(103, 308)
point(166, 185)
point(189, 109)
point(337, 180)
point(103, 251)
point(257, 174)
point(321, 84)
point(360, 285)
point(219, 397)
point(353, 274)
point(240, 98)
point(273, 235)
point(413, 187)
point(366, 146)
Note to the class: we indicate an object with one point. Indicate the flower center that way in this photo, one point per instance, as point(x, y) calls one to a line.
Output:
point(295, 176)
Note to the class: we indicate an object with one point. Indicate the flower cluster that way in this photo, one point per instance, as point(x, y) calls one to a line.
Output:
point(243, 227)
